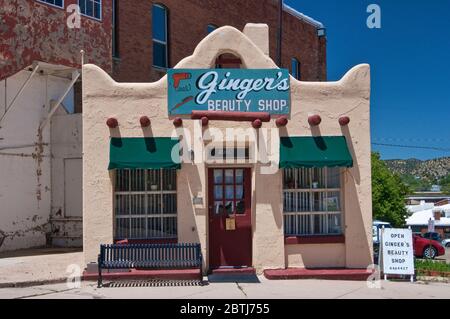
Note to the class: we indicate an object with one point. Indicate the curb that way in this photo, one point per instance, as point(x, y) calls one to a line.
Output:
point(31, 283)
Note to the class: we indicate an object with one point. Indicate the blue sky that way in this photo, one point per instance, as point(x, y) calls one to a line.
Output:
point(410, 66)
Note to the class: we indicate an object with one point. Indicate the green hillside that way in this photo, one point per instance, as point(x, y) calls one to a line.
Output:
point(421, 175)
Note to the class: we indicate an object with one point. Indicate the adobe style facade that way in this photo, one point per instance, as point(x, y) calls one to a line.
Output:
point(295, 192)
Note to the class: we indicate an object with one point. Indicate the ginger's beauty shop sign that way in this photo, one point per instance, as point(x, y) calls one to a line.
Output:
point(228, 90)
point(397, 251)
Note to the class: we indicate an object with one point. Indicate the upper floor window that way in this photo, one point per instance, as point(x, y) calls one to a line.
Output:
point(295, 68)
point(91, 8)
point(115, 29)
point(312, 201)
point(210, 28)
point(57, 3)
point(159, 29)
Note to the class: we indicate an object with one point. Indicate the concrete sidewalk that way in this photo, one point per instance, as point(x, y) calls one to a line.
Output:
point(271, 289)
point(47, 266)
point(37, 266)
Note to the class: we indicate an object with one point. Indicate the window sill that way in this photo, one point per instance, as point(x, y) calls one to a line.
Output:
point(160, 69)
point(325, 239)
point(92, 17)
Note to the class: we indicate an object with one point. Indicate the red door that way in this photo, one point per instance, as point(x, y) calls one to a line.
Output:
point(230, 198)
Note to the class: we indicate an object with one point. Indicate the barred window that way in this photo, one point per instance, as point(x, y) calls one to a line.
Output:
point(312, 201)
point(145, 204)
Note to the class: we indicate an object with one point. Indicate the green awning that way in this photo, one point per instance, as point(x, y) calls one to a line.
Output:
point(322, 151)
point(149, 152)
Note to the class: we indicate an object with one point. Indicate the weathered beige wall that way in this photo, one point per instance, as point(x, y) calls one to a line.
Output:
point(25, 159)
point(104, 98)
point(315, 256)
point(66, 172)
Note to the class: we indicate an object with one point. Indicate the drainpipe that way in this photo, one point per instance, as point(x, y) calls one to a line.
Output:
point(20, 92)
point(280, 30)
point(75, 76)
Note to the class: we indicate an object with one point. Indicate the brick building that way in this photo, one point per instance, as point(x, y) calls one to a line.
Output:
point(186, 23)
point(35, 30)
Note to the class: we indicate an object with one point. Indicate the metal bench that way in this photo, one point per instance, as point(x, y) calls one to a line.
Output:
point(149, 256)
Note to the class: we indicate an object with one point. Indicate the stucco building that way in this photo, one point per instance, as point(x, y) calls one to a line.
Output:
point(294, 189)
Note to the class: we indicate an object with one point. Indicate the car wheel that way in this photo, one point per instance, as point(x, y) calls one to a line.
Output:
point(447, 245)
point(429, 253)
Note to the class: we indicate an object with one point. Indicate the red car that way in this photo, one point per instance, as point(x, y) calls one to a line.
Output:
point(423, 249)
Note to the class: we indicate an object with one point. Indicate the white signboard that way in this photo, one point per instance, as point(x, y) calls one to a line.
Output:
point(397, 251)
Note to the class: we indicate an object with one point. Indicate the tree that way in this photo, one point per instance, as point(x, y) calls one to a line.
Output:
point(388, 194)
point(445, 184)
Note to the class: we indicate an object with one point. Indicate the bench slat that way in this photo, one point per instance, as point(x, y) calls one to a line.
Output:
point(150, 255)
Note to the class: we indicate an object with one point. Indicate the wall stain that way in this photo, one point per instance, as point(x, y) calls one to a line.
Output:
point(39, 150)
point(41, 228)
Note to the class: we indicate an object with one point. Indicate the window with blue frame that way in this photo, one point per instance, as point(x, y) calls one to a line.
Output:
point(91, 8)
point(210, 28)
point(295, 68)
point(57, 3)
point(115, 29)
point(159, 30)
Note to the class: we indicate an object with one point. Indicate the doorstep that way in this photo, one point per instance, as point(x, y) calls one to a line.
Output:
point(328, 274)
point(233, 271)
point(172, 274)
point(244, 275)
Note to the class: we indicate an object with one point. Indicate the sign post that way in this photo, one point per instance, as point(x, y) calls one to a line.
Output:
point(397, 252)
point(431, 229)
point(431, 226)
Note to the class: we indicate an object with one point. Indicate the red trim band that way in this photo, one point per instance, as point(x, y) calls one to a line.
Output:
point(296, 240)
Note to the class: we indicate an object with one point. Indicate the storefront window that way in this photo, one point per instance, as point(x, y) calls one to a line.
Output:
point(145, 204)
point(312, 201)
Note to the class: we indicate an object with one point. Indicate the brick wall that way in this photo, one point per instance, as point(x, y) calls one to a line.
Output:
point(188, 22)
point(34, 31)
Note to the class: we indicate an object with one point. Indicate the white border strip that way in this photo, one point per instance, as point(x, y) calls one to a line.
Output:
point(303, 17)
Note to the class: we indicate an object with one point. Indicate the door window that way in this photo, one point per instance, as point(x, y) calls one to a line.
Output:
point(229, 193)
